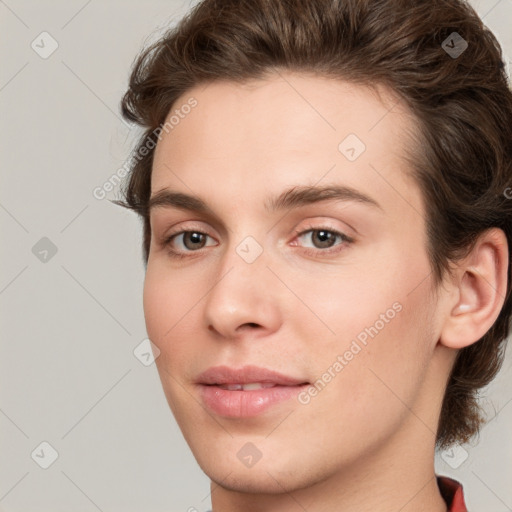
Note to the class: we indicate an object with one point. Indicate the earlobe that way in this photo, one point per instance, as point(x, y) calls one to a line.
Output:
point(481, 283)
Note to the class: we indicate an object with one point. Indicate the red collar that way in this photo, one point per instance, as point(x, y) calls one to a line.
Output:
point(452, 493)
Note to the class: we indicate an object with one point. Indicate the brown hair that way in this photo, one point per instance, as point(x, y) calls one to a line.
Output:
point(462, 104)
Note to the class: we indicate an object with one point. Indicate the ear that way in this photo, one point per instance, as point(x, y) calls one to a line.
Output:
point(479, 288)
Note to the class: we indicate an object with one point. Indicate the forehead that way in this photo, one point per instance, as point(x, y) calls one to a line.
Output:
point(265, 133)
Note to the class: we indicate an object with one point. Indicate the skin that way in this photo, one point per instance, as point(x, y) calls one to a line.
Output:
point(372, 427)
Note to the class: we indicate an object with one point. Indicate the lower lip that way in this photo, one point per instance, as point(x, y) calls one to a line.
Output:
point(244, 404)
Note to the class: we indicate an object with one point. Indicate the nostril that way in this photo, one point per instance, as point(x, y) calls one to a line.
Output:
point(248, 325)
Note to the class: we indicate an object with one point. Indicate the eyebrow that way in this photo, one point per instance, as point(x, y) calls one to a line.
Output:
point(292, 198)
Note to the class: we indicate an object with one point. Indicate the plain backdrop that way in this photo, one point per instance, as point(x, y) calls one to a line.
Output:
point(71, 279)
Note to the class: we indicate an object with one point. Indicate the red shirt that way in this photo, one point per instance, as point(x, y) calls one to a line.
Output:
point(452, 493)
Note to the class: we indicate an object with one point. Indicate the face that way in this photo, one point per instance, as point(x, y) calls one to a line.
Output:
point(293, 324)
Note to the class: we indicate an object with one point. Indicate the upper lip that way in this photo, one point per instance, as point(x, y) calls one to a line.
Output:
point(245, 375)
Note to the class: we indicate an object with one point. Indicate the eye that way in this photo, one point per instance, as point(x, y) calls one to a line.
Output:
point(191, 241)
point(324, 238)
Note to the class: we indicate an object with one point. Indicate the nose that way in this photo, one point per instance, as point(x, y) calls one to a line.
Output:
point(243, 299)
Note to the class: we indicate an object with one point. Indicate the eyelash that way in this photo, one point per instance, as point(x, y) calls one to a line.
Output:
point(310, 252)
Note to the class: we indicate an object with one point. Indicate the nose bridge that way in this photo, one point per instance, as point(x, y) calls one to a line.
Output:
point(240, 294)
point(247, 245)
point(242, 268)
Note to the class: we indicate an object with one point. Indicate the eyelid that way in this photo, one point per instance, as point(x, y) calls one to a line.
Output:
point(297, 232)
point(322, 227)
point(184, 229)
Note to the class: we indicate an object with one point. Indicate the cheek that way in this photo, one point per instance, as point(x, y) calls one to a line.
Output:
point(171, 325)
point(158, 306)
point(377, 319)
point(359, 298)
point(168, 312)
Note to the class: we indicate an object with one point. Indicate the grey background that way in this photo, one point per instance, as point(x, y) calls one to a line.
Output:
point(70, 324)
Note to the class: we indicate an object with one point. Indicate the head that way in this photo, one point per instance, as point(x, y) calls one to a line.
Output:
point(396, 304)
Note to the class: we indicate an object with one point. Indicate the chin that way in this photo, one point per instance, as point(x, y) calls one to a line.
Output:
point(257, 480)
point(274, 473)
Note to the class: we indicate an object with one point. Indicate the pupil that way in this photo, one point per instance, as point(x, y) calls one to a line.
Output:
point(324, 237)
point(194, 237)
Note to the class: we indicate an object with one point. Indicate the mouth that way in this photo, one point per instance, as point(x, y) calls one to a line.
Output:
point(246, 387)
point(246, 392)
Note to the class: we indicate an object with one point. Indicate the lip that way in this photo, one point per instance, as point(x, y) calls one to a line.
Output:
point(245, 375)
point(245, 403)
